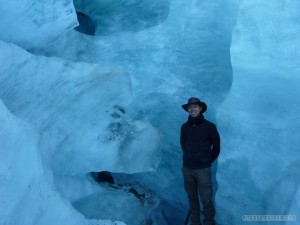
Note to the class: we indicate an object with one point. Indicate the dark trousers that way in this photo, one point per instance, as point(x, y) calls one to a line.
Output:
point(198, 182)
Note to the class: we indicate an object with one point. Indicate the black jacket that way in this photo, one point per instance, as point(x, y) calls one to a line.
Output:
point(200, 142)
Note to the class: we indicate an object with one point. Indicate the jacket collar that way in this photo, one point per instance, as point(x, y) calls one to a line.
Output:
point(197, 120)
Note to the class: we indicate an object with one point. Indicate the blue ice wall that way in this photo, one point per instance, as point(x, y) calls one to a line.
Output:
point(240, 57)
point(182, 51)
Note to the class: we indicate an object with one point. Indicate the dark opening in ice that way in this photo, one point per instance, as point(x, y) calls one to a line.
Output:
point(86, 24)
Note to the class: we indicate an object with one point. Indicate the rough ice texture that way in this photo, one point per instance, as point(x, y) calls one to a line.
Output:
point(259, 119)
point(33, 24)
point(27, 196)
point(188, 53)
point(77, 108)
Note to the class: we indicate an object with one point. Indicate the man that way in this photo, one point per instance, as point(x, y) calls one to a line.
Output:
point(200, 142)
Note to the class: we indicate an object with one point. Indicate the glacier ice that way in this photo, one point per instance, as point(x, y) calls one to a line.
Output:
point(77, 100)
point(147, 58)
point(27, 197)
point(33, 24)
point(70, 148)
point(259, 118)
point(111, 17)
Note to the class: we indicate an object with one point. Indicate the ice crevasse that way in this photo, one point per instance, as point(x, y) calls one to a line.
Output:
point(73, 103)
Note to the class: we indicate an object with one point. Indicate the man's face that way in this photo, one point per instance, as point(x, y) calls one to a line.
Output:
point(194, 110)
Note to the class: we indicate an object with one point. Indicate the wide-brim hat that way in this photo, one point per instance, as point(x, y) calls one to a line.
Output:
point(195, 101)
